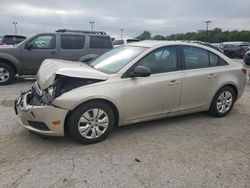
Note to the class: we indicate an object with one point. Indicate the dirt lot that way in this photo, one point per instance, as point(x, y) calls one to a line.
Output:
point(188, 151)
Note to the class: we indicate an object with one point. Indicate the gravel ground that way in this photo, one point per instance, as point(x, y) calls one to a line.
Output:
point(187, 151)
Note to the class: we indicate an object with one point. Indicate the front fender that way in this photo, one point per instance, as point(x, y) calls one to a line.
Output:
point(110, 92)
point(15, 62)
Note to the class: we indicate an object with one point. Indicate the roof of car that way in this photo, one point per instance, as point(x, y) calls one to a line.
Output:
point(155, 43)
point(126, 39)
point(85, 32)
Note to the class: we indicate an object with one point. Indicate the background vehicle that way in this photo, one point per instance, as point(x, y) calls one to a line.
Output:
point(12, 39)
point(26, 58)
point(119, 42)
point(216, 47)
point(1, 38)
point(234, 49)
point(247, 58)
point(129, 84)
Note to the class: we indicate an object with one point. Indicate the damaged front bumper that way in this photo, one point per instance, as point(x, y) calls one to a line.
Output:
point(40, 118)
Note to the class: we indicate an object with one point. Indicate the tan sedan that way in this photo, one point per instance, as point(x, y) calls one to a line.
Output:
point(133, 83)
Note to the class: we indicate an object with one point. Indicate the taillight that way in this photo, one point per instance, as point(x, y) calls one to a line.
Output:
point(244, 70)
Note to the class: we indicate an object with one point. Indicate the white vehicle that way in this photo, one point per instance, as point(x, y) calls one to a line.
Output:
point(132, 83)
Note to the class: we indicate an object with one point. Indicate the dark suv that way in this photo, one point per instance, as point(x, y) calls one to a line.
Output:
point(26, 58)
point(234, 49)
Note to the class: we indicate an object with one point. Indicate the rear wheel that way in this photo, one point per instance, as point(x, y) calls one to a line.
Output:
point(7, 74)
point(91, 123)
point(223, 102)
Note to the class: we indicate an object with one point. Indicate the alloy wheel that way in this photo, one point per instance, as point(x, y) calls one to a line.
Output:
point(93, 123)
point(224, 102)
point(4, 74)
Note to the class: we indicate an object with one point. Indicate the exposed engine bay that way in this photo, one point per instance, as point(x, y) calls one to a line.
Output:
point(62, 84)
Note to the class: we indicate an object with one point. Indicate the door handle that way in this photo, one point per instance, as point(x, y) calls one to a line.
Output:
point(211, 75)
point(53, 52)
point(173, 82)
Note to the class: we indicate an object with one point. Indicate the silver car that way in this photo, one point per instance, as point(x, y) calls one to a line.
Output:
point(129, 84)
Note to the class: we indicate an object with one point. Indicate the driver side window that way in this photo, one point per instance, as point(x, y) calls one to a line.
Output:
point(160, 60)
point(43, 42)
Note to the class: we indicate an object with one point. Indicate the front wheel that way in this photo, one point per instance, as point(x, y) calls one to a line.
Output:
point(7, 74)
point(91, 122)
point(223, 102)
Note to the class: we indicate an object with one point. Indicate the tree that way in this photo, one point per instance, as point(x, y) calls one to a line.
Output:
point(146, 35)
point(158, 37)
point(215, 36)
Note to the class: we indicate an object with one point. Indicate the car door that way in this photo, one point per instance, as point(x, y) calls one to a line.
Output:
point(198, 78)
point(72, 46)
point(38, 49)
point(158, 93)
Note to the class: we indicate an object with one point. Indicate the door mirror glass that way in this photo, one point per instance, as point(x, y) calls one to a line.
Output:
point(140, 71)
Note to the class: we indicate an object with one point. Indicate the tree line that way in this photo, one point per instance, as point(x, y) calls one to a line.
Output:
point(214, 36)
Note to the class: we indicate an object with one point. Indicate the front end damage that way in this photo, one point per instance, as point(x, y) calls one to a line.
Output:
point(35, 107)
point(39, 117)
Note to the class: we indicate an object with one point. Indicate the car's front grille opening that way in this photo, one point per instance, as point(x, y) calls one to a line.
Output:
point(39, 125)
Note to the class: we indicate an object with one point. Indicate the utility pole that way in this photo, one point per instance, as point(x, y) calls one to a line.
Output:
point(15, 24)
point(121, 33)
point(92, 25)
point(207, 22)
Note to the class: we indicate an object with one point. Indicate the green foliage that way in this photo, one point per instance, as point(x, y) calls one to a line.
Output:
point(158, 37)
point(146, 35)
point(215, 36)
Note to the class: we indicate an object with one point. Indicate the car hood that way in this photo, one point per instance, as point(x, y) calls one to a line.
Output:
point(52, 67)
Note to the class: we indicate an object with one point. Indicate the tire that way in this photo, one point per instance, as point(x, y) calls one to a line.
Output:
point(83, 123)
point(221, 104)
point(247, 62)
point(7, 74)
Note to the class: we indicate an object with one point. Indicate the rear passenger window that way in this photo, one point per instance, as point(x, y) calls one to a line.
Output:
point(195, 57)
point(222, 62)
point(100, 42)
point(72, 41)
point(216, 60)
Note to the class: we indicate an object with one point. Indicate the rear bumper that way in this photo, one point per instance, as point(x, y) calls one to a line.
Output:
point(39, 119)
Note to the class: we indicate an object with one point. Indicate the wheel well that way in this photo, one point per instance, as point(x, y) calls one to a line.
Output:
point(114, 108)
point(234, 88)
point(9, 63)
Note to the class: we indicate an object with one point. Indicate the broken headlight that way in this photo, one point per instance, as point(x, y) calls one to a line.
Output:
point(63, 84)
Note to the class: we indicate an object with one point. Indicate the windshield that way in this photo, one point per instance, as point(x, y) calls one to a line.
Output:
point(114, 60)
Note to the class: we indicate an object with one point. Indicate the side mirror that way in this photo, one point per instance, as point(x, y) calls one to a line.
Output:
point(29, 46)
point(140, 71)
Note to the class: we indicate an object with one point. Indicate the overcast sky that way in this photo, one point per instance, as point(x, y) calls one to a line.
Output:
point(134, 16)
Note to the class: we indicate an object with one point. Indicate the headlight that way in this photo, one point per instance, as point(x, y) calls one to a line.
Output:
point(48, 95)
point(51, 93)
